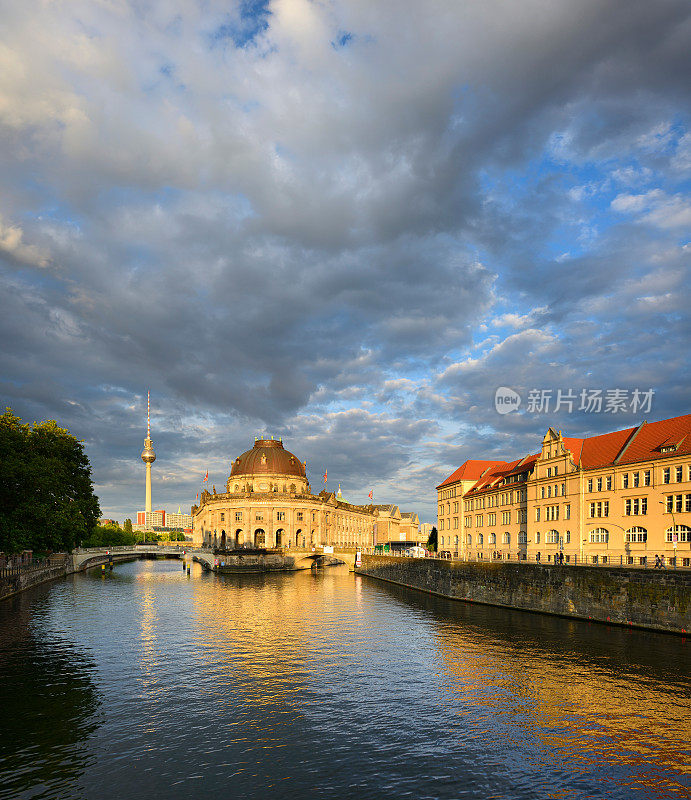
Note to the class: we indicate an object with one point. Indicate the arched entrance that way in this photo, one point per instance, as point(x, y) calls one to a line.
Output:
point(238, 537)
point(223, 540)
point(298, 537)
point(279, 537)
point(259, 538)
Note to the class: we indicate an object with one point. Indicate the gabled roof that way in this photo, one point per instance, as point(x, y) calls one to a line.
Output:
point(470, 470)
point(652, 436)
point(493, 478)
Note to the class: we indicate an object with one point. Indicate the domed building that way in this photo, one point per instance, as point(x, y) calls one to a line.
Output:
point(268, 503)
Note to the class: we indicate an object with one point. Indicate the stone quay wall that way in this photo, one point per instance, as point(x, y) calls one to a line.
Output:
point(15, 581)
point(655, 599)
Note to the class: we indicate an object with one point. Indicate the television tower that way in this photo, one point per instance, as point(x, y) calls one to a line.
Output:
point(148, 455)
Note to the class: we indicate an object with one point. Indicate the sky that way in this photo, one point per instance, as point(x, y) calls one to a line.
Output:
point(346, 224)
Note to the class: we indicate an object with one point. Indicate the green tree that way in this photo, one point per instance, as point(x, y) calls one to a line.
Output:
point(46, 493)
point(128, 526)
point(432, 540)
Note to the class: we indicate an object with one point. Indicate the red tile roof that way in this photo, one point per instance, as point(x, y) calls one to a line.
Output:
point(653, 435)
point(629, 446)
point(468, 471)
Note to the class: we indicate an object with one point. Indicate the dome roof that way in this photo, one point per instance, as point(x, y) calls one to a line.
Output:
point(267, 457)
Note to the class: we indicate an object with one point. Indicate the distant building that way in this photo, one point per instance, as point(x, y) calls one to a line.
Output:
point(618, 498)
point(178, 521)
point(148, 520)
point(268, 502)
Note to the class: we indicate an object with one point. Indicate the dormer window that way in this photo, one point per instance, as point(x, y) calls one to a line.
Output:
point(668, 448)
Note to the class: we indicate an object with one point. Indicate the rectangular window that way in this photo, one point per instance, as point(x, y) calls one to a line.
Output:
point(609, 483)
point(537, 537)
point(455, 522)
point(687, 500)
point(549, 472)
point(556, 470)
point(599, 484)
point(636, 478)
point(280, 515)
point(590, 484)
point(625, 480)
point(223, 517)
point(567, 512)
point(298, 516)
point(238, 516)
point(568, 538)
point(478, 521)
point(537, 515)
point(666, 475)
point(259, 517)
point(469, 522)
point(646, 478)
point(679, 474)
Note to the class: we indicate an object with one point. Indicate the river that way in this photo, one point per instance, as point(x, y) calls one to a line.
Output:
point(147, 683)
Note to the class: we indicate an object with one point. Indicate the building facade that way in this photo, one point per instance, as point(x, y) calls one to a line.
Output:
point(619, 498)
point(269, 503)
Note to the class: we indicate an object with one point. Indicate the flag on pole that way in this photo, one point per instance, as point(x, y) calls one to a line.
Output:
point(206, 477)
point(197, 495)
point(326, 473)
point(370, 495)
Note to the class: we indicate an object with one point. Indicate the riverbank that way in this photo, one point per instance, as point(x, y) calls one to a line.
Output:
point(15, 580)
point(655, 599)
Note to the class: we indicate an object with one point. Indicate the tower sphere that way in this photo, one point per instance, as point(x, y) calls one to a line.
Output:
point(148, 455)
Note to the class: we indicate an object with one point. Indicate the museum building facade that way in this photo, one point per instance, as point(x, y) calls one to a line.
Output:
point(268, 503)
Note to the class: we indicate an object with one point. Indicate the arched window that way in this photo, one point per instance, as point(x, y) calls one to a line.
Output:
point(682, 533)
point(636, 534)
point(480, 540)
point(599, 535)
point(522, 537)
point(469, 539)
point(552, 537)
point(506, 538)
point(493, 538)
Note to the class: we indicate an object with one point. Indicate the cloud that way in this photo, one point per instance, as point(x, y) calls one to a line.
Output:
point(12, 245)
point(347, 223)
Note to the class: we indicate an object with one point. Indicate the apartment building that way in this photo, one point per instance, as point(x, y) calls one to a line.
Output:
point(618, 498)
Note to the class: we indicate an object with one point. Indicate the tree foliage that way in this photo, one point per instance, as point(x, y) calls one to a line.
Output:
point(47, 500)
point(109, 536)
point(432, 540)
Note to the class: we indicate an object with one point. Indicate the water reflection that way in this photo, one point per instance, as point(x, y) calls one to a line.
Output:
point(49, 705)
point(601, 699)
point(330, 685)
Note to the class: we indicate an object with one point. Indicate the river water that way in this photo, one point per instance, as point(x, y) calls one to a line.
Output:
point(147, 683)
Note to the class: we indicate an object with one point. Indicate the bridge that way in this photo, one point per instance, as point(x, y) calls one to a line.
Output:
point(83, 558)
point(298, 558)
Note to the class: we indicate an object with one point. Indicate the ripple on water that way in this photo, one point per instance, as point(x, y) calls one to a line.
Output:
point(147, 683)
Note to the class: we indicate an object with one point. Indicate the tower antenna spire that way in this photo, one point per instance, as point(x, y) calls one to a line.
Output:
point(148, 414)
